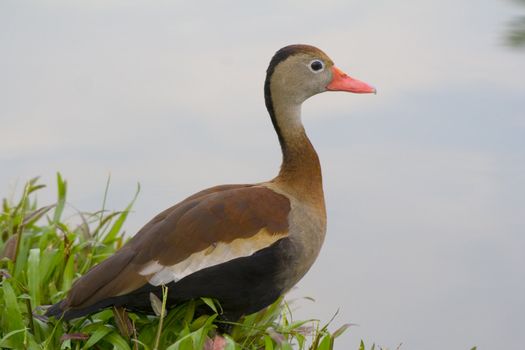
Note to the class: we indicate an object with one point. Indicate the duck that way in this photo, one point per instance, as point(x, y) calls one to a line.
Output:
point(244, 245)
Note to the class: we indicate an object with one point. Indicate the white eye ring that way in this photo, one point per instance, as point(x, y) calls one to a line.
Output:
point(316, 66)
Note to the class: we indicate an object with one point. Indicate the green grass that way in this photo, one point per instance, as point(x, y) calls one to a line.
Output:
point(42, 254)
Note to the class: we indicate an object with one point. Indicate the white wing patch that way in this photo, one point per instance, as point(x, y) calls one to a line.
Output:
point(216, 254)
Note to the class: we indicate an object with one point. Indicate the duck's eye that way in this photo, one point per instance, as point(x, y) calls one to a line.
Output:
point(316, 66)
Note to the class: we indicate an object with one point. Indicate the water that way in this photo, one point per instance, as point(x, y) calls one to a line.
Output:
point(424, 182)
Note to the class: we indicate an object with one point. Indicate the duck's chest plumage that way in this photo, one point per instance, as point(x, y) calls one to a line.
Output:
point(307, 230)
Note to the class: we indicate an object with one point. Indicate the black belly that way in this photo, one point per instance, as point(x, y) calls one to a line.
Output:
point(242, 286)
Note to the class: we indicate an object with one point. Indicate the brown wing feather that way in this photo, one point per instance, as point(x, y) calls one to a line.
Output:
point(216, 215)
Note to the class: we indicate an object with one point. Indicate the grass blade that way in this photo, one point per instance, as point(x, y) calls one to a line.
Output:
point(117, 225)
point(13, 314)
point(61, 202)
point(99, 333)
point(33, 275)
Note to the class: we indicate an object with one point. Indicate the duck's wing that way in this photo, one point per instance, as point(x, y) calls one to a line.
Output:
point(206, 229)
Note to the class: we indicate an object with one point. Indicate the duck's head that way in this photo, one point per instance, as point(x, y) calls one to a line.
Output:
point(297, 72)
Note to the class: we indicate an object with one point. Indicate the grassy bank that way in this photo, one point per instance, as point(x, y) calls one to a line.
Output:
point(42, 254)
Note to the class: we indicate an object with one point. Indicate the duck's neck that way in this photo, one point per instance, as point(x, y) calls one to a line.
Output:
point(300, 170)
